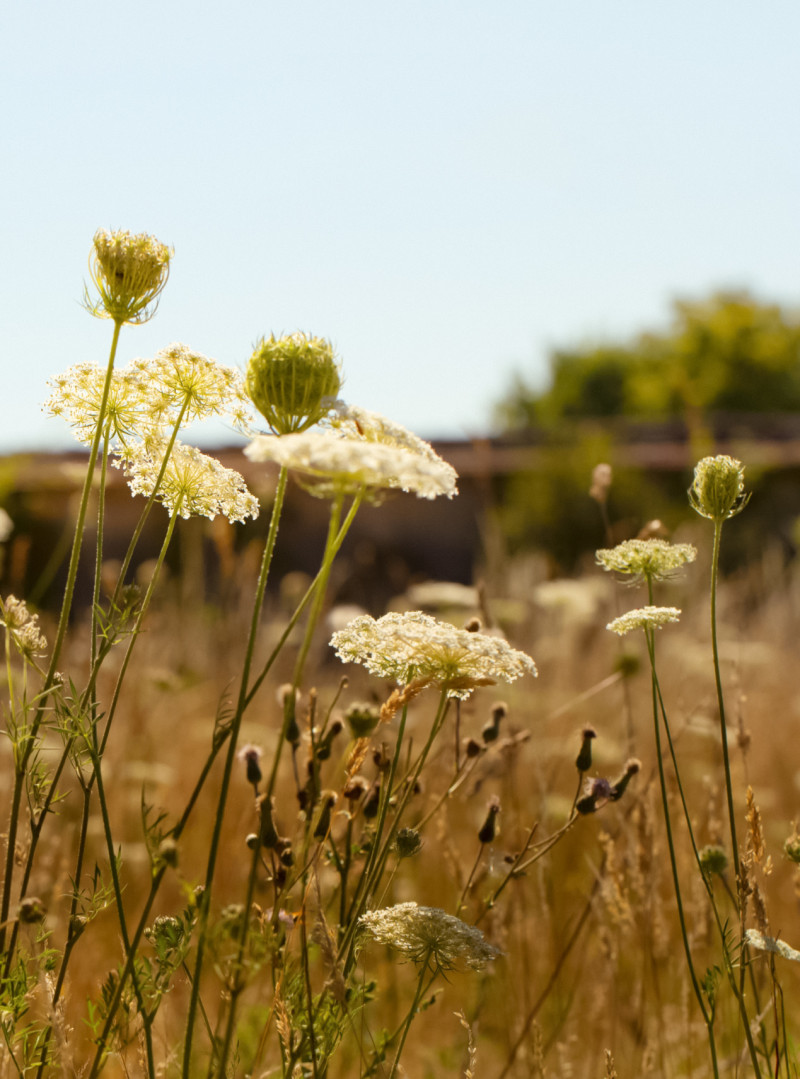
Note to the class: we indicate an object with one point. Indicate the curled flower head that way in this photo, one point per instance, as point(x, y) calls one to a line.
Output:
point(129, 272)
point(647, 559)
point(414, 647)
point(430, 936)
point(717, 491)
point(644, 618)
point(22, 627)
point(78, 395)
point(293, 380)
point(192, 483)
point(344, 461)
point(187, 384)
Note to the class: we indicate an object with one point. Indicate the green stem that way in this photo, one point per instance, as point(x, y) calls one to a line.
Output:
point(411, 1013)
point(63, 622)
point(269, 547)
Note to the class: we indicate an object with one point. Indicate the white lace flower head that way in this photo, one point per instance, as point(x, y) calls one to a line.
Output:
point(646, 559)
point(192, 483)
point(429, 935)
point(78, 395)
point(644, 618)
point(344, 458)
point(415, 647)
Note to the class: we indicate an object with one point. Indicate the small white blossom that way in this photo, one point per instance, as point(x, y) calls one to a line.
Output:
point(193, 482)
point(770, 944)
point(429, 935)
point(414, 646)
point(78, 394)
point(644, 618)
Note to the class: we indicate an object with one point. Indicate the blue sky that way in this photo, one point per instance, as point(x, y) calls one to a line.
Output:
point(445, 189)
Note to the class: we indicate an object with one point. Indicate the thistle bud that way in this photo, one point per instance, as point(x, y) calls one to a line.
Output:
point(792, 847)
point(268, 834)
point(251, 756)
point(488, 829)
point(618, 788)
point(324, 822)
point(583, 762)
point(717, 491)
point(372, 802)
point(713, 860)
point(129, 272)
point(325, 743)
point(31, 910)
point(597, 792)
point(293, 380)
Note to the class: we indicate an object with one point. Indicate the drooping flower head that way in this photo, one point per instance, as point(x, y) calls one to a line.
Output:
point(192, 483)
point(415, 647)
point(717, 491)
point(644, 618)
point(646, 559)
point(129, 272)
point(429, 935)
point(187, 383)
point(293, 380)
point(22, 627)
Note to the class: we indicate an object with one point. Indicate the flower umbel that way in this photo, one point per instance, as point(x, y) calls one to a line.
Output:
point(129, 271)
point(293, 380)
point(644, 618)
point(184, 382)
point(346, 459)
point(429, 935)
point(717, 491)
point(193, 483)
point(78, 394)
point(415, 647)
point(648, 560)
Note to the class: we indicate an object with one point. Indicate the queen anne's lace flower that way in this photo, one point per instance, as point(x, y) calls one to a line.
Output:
point(415, 647)
point(644, 618)
point(186, 383)
point(344, 461)
point(129, 272)
point(193, 482)
point(771, 944)
point(22, 626)
point(649, 560)
point(78, 394)
point(429, 935)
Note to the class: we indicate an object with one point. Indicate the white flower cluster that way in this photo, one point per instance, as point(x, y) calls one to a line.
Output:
point(414, 646)
point(191, 483)
point(429, 935)
point(649, 560)
point(146, 401)
point(644, 618)
point(359, 450)
point(22, 626)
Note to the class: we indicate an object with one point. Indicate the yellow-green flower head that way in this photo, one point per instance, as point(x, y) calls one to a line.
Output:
point(129, 272)
point(78, 394)
point(649, 560)
point(346, 458)
point(717, 491)
point(430, 936)
point(415, 647)
point(192, 482)
point(293, 381)
point(186, 384)
point(644, 618)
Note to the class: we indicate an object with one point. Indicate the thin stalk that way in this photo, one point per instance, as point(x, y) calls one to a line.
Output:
point(269, 547)
point(63, 622)
point(411, 1013)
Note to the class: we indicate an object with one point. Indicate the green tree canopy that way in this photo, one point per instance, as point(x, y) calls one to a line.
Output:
point(729, 352)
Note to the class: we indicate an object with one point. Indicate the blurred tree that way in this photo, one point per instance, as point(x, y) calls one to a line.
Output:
point(729, 353)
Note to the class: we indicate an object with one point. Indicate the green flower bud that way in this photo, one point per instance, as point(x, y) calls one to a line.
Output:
point(129, 272)
point(717, 491)
point(713, 859)
point(293, 380)
point(362, 719)
point(792, 848)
